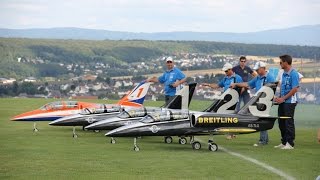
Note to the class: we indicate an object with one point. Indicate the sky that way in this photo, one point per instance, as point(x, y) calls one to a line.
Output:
point(160, 15)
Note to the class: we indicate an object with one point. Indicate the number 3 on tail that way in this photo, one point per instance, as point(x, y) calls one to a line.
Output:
point(265, 100)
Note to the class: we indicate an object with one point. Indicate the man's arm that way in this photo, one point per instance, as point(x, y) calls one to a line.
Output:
point(254, 74)
point(241, 85)
point(291, 93)
point(177, 83)
point(213, 85)
point(153, 79)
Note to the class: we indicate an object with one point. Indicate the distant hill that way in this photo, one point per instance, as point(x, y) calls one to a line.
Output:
point(301, 35)
point(24, 57)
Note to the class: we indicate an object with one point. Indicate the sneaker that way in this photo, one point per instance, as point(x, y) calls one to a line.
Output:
point(279, 146)
point(287, 146)
point(259, 144)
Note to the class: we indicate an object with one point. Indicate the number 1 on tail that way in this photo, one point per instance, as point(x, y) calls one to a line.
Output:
point(139, 93)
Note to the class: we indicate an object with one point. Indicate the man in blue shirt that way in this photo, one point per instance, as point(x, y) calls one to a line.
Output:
point(230, 78)
point(256, 83)
point(287, 102)
point(245, 72)
point(171, 79)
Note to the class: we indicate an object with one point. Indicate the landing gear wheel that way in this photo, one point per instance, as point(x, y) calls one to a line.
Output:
point(113, 141)
point(136, 148)
point(213, 147)
point(168, 139)
point(182, 140)
point(35, 129)
point(196, 145)
point(74, 135)
point(191, 139)
point(96, 131)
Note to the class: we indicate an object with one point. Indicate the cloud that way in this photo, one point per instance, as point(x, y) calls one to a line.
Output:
point(161, 15)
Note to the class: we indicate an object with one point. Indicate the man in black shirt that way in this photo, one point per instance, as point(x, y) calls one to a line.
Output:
point(245, 72)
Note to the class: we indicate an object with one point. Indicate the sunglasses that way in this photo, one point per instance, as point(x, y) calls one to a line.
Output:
point(226, 70)
point(169, 62)
point(243, 61)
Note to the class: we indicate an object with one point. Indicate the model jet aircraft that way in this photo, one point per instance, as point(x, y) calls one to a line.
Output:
point(61, 109)
point(180, 101)
point(133, 99)
point(252, 117)
point(55, 110)
point(225, 103)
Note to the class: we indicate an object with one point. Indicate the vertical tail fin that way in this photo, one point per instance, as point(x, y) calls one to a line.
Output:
point(260, 104)
point(183, 97)
point(135, 97)
point(225, 103)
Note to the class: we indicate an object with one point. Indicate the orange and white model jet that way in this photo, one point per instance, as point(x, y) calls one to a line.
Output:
point(58, 109)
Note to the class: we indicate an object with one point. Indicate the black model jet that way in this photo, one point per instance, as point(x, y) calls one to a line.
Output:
point(133, 99)
point(226, 103)
point(252, 117)
point(180, 101)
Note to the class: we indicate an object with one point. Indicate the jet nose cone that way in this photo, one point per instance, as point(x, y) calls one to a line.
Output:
point(26, 115)
point(15, 118)
point(126, 131)
point(67, 121)
point(57, 122)
point(93, 126)
point(117, 132)
point(107, 124)
point(112, 133)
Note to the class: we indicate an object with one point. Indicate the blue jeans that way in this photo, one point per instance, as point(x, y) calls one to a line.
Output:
point(264, 139)
point(245, 97)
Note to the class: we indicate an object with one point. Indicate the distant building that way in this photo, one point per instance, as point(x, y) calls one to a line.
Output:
point(30, 79)
point(7, 81)
point(84, 97)
point(89, 77)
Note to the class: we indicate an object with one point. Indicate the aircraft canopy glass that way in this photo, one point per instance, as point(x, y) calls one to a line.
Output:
point(112, 107)
point(59, 105)
point(131, 113)
point(167, 115)
point(52, 105)
point(100, 108)
point(71, 104)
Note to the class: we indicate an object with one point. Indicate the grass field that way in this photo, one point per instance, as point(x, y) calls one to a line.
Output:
point(52, 153)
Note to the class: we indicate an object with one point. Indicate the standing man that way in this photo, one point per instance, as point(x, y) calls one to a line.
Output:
point(263, 78)
point(171, 79)
point(230, 78)
point(244, 72)
point(287, 102)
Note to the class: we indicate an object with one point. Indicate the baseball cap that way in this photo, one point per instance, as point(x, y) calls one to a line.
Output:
point(226, 67)
point(169, 59)
point(259, 64)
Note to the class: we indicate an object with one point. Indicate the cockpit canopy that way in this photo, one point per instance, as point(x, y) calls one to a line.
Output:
point(166, 115)
point(131, 113)
point(59, 105)
point(101, 108)
point(112, 107)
